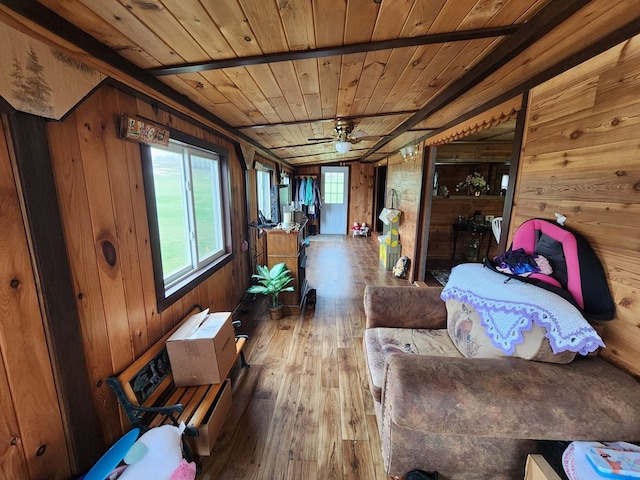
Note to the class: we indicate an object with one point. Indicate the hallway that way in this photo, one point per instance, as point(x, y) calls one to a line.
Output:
point(303, 410)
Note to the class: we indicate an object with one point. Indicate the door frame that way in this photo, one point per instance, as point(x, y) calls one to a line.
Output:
point(347, 180)
point(427, 194)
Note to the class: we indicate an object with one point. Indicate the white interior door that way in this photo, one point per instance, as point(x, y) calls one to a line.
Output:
point(335, 200)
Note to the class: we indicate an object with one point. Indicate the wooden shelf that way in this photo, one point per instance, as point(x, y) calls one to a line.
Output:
point(289, 247)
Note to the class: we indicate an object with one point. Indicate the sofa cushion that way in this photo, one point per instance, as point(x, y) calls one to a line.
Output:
point(470, 338)
point(514, 398)
point(381, 341)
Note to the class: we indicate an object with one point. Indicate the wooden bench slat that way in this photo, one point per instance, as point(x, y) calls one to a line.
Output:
point(176, 397)
point(240, 342)
point(142, 385)
point(188, 397)
point(199, 396)
point(199, 414)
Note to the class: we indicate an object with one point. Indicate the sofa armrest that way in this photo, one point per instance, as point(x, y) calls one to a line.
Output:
point(404, 307)
point(587, 399)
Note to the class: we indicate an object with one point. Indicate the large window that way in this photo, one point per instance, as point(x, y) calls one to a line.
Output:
point(187, 189)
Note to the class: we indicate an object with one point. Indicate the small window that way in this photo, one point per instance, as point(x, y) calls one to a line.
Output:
point(334, 187)
point(263, 179)
point(187, 189)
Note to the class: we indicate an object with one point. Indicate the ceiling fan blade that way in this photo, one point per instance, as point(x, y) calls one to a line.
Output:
point(324, 139)
point(362, 135)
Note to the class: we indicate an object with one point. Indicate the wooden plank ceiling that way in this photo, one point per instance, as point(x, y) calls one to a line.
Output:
point(281, 72)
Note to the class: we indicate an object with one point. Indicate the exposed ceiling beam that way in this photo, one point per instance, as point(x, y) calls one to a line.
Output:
point(447, 37)
point(548, 18)
point(622, 34)
point(45, 18)
point(332, 119)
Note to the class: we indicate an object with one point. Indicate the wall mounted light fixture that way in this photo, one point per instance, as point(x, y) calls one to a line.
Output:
point(410, 153)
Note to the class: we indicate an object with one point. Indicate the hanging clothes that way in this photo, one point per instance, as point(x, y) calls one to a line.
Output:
point(308, 191)
point(317, 197)
point(301, 192)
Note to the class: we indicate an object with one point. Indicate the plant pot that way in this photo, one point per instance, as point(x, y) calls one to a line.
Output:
point(276, 313)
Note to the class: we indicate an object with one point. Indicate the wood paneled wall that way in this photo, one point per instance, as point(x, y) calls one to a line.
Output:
point(581, 158)
point(101, 197)
point(32, 437)
point(405, 178)
point(445, 211)
point(449, 175)
point(475, 152)
point(361, 178)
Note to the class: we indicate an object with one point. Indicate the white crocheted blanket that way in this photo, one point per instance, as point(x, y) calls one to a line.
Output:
point(509, 308)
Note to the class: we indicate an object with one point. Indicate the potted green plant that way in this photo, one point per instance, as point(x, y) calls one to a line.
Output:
point(272, 282)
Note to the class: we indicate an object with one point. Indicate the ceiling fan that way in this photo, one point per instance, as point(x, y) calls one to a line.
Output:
point(345, 136)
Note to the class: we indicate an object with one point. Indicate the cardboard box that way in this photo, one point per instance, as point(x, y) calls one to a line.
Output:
point(211, 426)
point(202, 350)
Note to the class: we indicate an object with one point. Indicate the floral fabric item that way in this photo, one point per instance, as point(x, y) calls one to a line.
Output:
point(470, 336)
point(508, 309)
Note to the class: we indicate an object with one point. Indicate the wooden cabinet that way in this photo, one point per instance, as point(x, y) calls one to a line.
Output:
point(289, 247)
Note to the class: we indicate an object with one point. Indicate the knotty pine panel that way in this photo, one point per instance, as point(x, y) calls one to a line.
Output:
point(407, 182)
point(581, 157)
point(361, 178)
point(602, 219)
point(31, 413)
point(151, 329)
point(605, 173)
point(102, 202)
point(444, 213)
point(584, 130)
point(64, 146)
point(596, 19)
point(499, 152)
point(14, 463)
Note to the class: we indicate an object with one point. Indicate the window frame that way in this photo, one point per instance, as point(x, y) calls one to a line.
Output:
point(270, 172)
point(166, 297)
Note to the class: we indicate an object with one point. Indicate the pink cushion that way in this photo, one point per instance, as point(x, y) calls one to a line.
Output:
point(525, 237)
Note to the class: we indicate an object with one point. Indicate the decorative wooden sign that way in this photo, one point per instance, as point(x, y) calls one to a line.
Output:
point(143, 132)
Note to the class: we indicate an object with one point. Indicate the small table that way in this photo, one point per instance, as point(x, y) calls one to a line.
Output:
point(473, 228)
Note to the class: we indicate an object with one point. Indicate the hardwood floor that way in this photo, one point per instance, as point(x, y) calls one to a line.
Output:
point(303, 410)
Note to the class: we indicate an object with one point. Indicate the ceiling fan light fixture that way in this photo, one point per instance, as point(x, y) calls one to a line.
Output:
point(342, 147)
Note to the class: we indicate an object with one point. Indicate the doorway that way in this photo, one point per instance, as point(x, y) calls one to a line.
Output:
point(486, 157)
point(335, 200)
point(380, 193)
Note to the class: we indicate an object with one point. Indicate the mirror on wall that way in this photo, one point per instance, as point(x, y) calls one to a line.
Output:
point(478, 162)
point(478, 165)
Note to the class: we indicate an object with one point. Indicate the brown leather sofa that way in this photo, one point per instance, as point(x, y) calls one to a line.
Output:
point(478, 418)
